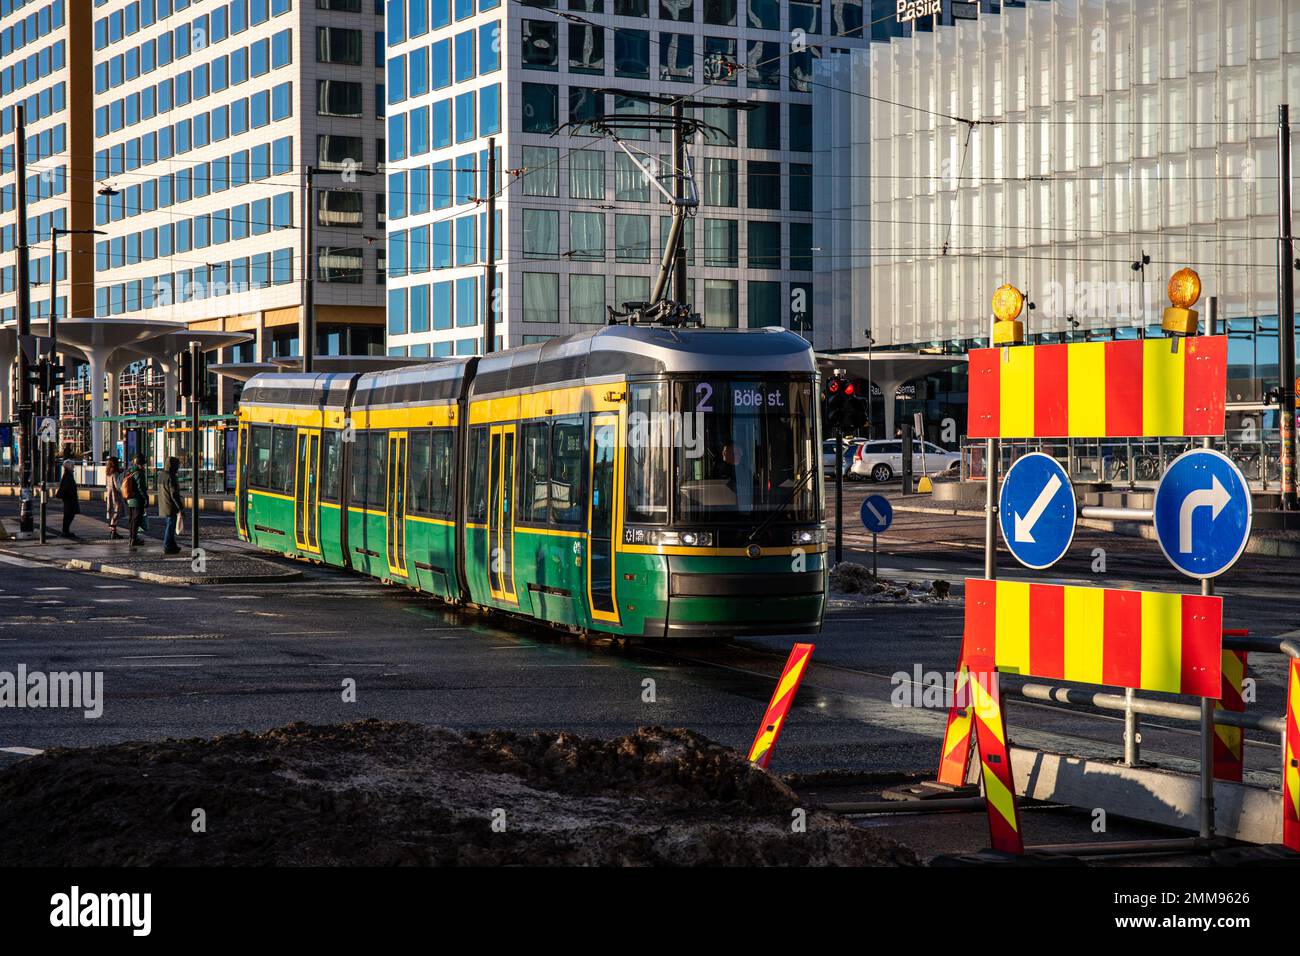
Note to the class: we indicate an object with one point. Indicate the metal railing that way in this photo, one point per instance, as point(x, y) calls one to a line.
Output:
point(1134, 462)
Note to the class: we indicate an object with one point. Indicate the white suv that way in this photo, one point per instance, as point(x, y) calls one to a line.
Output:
point(883, 460)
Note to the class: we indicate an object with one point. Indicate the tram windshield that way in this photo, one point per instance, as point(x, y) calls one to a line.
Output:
point(746, 449)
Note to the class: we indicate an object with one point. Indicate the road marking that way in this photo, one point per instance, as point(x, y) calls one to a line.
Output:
point(242, 597)
point(177, 599)
point(60, 588)
point(22, 751)
point(159, 657)
point(111, 600)
point(21, 562)
point(112, 587)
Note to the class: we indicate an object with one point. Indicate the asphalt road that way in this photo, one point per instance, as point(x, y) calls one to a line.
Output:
point(215, 659)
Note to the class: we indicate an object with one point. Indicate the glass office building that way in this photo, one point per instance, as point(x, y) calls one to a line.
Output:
point(1082, 150)
point(205, 116)
point(581, 224)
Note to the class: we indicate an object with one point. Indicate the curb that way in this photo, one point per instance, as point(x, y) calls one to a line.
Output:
point(77, 564)
point(97, 567)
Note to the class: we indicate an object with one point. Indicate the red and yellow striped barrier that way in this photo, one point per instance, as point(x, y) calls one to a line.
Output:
point(760, 752)
point(1229, 742)
point(956, 739)
point(1099, 389)
point(1291, 762)
point(995, 759)
point(1140, 639)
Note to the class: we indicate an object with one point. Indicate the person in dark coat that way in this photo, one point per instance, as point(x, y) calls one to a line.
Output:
point(68, 493)
point(135, 488)
point(169, 505)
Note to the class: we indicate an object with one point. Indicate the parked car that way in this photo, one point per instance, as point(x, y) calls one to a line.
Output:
point(883, 460)
point(851, 446)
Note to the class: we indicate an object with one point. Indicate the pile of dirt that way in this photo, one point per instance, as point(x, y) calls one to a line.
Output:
point(384, 793)
point(857, 585)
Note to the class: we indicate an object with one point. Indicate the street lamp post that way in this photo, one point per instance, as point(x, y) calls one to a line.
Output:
point(307, 323)
point(871, 340)
point(49, 381)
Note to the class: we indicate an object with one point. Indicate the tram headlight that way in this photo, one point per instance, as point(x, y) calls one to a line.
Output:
point(691, 539)
point(807, 536)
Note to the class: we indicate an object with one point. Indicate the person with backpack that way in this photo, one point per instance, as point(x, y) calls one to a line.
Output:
point(135, 488)
point(68, 494)
point(169, 505)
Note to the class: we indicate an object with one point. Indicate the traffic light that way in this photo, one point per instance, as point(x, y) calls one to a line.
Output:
point(45, 375)
point(843, 409)
point(194, 381)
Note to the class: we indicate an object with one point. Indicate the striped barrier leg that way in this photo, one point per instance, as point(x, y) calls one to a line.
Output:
point(995, 760)
point(957, 738)
point(760, 752)
point(1291, 763)
point(1229, 742)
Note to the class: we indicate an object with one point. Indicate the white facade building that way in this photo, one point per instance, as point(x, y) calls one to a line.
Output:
point(1053, 146)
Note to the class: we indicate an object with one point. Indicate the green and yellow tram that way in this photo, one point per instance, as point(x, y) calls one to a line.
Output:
point(637, 480)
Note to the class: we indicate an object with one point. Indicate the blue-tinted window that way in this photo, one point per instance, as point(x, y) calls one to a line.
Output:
point(489, 47)
point(282, 155)
point(397, 253)
point(439, 13)
point(419, 131)
point(419, 192)
point(281, 50)
point(441, 173)
point(282, 101)
point(442, 245)
point(489, 110)
point(420, 308)
point(440, 124)
point(282, 211)
point(465, 118)
point(395, 22)
point(397, 79)
point(260, 57)
point(419, 71)
point(396, 195)
point(464, 9)
point(467, 301)
point(397, 137)
point(440, 64)
point(417, 19)
point(396, 310)
point(465, 56)
point(441, 305)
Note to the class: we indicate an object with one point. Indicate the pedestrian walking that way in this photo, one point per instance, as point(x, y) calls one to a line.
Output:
point(169, 505)
point(68, 493)
point(114, 500)
point(135, 488)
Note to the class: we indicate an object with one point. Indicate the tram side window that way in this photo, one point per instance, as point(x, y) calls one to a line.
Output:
point(418, 470)
point(330, 464)
point(440, 470)
point(651, 433)
point(566, 471)
point(476, 507)
point(283, 460)
point(360, 452)
point(259, 457)
point(377, 472)
point(533, 490)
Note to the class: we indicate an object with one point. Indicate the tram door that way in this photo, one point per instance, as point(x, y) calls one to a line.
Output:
point(396, 512)
point(602, 509)
point(306, 492)
point(501, 517)
point(241, 483)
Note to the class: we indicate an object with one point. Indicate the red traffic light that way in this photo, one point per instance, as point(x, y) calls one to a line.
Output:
point(848, 388)
point(833, 385)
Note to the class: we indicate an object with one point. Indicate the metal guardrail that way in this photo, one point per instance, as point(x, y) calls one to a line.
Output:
point(1133, 706)
point(1133, 463)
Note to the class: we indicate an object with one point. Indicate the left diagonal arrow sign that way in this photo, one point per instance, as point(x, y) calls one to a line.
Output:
point(1025, 526)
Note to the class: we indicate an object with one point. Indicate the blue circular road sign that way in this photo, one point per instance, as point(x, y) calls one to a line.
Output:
point(1202, 513)
point(877, 513)
point(1037, 510)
